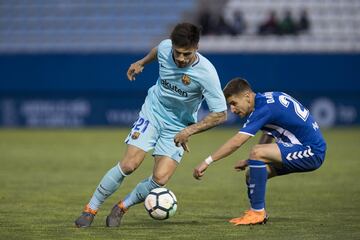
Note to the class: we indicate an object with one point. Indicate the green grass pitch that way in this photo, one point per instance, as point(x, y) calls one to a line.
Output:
point(47, 176)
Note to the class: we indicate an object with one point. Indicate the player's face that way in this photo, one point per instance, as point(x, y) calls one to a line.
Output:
point(240, 104)
point(184, 56)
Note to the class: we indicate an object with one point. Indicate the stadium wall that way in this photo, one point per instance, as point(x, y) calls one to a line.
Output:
point(75, 90)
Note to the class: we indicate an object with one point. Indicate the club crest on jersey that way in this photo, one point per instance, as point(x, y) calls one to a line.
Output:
point(186, 79)
point(135, 135)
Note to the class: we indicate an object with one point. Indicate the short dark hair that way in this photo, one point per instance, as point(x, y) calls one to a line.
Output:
point(185, 35)
point(236, 86)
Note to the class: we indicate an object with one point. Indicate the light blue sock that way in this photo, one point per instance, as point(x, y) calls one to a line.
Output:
point(108, 185)
point(140, 192)
point(257, 184)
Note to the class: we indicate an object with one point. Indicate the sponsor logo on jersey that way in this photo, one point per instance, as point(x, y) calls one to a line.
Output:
point(173, 88)
point(186, 79)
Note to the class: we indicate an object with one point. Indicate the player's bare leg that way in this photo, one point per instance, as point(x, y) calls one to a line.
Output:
point(164, 168)
point(260, 172)
point(109, 184)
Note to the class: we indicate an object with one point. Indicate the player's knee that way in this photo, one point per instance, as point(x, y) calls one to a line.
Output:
point(161, 179)
point(128, 167)
point(256, 153)
point(131, 161)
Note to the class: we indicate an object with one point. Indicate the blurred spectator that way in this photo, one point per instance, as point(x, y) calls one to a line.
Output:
point(207, 22)
point(222, 27)
point(238, 25)
point(288, 25)
point(304, 22)
point(217, 24)
point(270, 26)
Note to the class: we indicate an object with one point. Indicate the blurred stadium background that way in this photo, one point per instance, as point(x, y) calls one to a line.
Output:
point(63, 65)
point(63, 62)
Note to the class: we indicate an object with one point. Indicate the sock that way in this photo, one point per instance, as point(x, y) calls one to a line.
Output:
point(140, 192)
point(108, 185)
point(248, 188)
point(257, 184)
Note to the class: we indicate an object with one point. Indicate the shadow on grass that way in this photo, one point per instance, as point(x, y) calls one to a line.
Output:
point(163, 224)
point(137, 225)
point(219, 217)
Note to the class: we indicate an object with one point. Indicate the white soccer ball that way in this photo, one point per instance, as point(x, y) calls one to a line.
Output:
point(161, 203)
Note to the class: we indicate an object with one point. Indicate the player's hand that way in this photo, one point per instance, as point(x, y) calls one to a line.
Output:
point(134, 69)
point(241, 165)
point(181, 139)
point(199, 171)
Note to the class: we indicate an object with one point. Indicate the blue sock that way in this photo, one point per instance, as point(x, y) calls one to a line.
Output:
point(140, 192)
point(108, 185)
point(257, 184)
point(248, 188)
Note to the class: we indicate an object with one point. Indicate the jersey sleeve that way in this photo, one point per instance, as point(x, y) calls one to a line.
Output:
point(213, 93)
point(164, 48)
point(257, 119)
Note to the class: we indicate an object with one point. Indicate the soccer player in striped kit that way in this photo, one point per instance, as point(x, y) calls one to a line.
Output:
point(299, 145)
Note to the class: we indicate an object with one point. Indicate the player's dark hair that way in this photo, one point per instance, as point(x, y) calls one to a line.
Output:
point(185, 35)
point(236, 86)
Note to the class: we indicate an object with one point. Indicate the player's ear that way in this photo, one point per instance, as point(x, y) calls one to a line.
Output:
point(247, 94)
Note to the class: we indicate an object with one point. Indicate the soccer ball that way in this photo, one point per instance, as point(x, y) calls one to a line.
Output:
point(161, 203)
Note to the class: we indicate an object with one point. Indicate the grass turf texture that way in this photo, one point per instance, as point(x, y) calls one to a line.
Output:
point(47, 176)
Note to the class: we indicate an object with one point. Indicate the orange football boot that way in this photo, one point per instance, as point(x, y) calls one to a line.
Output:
point(251, 217)
point(235, 220)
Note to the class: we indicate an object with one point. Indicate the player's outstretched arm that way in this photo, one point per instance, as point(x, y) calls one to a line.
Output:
point(211, 120)
point(225, 150)
point(242, 164)
point(138, 66)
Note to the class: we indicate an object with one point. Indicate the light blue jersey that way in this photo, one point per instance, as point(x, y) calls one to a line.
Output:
point(177, 95)
point(173, 103)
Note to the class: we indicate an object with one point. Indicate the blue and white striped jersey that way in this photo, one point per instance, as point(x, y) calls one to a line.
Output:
point(287, 120)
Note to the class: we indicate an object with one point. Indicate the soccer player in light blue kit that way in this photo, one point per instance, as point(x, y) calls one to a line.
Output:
point(299, 145)
point(166, 121)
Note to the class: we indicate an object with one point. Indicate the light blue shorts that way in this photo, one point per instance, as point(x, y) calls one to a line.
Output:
point(146, 136)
